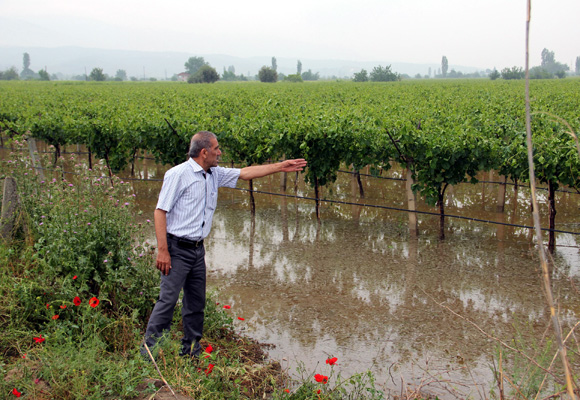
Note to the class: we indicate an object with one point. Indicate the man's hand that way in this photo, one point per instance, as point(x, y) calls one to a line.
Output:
point(163, 261)
point(293, 165)
point(259, 171)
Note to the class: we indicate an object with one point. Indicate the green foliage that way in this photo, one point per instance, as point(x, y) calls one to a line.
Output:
point(267, 74)
point(310, 76)
point(121, 75)
point(205, 74)
point(293, 78)
point(384, 74)
point(512, 73)
point(361, 76)
point(444, 66)
point(193, 64)
point(97, 75)
point(43, 75)
point(10, 74)
point(494, 74)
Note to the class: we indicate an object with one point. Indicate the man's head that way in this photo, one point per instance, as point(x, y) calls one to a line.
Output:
point(204, 148)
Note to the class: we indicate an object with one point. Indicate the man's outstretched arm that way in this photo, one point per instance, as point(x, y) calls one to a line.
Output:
point(258, 171)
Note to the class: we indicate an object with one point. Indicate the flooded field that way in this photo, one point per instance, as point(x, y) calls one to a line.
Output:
point(356, 286)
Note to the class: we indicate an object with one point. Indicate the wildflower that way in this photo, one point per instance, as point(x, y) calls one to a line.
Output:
point(70, 184)
point(287, 390)
point(321, 378)
point(55, 316)
point(208, 350)
point(16, 392)
point(24, 355)
point(106, 261)
point(77, 301)
point(227, 307)
point(209, 369)
point(39, 339)
point(332, 361)
point(63, 306)
point(93, 302)
point(75, 277)
point(241, 319)
point(47, 305)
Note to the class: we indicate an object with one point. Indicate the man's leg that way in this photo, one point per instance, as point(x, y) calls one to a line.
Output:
point(171, 284)
point(192, 311)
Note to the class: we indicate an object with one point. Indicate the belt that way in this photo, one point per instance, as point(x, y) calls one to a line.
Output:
point(185, 243)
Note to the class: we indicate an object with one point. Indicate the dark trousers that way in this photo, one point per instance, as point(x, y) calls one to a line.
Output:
point(187, 272)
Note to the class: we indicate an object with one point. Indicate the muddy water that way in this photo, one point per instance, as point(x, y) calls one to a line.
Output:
point(355, 286)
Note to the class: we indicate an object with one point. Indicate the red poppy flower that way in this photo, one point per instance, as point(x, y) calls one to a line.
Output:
point(47, 305)
point(287, 390)
point(63, 306)
point(227, 307)
point(93, 302)
point(209, 369)
point(318, 391)
point(332, 361)
point(321, 378)
point(209, 349)
point(75, 277)
point(77, 301)
point(16, 392)
point(55, 317)
point(241, 319)
point(39, 339)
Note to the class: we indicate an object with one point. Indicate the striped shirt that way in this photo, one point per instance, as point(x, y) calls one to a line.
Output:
point(189, 196)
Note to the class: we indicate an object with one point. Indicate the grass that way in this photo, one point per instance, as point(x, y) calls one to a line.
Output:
point(76, 289)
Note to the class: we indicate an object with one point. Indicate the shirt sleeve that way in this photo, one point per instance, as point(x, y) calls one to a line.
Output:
point(170, 191)
point(227, 177)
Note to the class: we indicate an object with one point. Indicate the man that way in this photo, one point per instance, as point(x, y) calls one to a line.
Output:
point(183, 220)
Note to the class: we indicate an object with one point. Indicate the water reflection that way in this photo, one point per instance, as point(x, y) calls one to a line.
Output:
point(356, 287)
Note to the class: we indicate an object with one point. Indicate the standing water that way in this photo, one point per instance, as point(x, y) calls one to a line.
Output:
point(417, 312)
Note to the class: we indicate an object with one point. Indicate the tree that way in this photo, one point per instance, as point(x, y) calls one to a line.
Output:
point(299, 67)
point(309, 76)
point(361, 76)
point(43, 75)
point(384, 74)
point(10, 74)
point(293, 78)
point(552, 66)
point(26, 73)
point(97, 75)
point(494, 74)
point(444, 66)
point(548, 58)
point(206, 74)
point(121, 75)
point(267, 74)
point(194, 64)
point(513, 73)
point(274, 64)
point(26, 61)
point(578, 65)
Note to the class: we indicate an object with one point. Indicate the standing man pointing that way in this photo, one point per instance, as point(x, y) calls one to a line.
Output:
point(183, 218)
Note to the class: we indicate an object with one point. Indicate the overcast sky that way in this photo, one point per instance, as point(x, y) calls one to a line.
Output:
point(478, 33)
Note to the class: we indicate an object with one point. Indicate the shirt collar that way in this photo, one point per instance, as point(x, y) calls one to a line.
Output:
point(196, 167)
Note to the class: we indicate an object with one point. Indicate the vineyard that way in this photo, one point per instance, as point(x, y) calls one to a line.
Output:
point(442, 133)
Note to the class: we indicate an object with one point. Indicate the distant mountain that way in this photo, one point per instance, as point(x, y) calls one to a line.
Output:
point(71, 61)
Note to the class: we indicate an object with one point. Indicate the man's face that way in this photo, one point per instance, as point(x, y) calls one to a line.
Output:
point(213, 154)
